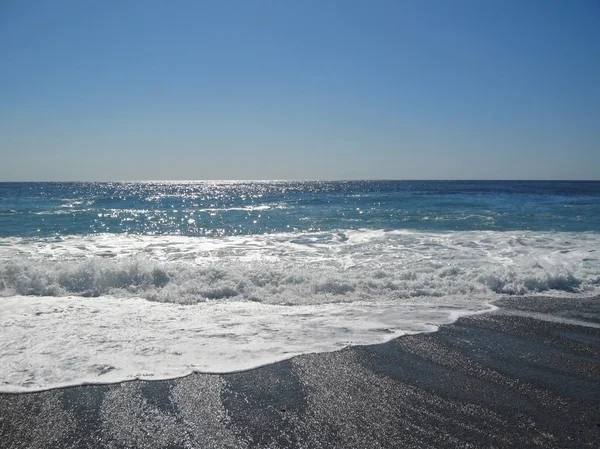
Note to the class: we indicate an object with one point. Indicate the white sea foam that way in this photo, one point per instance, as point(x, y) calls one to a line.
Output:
point(106, 308)
point(53, 342)
point(311, 268)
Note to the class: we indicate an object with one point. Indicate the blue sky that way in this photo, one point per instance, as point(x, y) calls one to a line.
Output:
point(476, 89)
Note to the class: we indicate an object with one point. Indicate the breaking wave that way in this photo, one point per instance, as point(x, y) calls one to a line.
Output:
point(293, 269)
point(107, 308)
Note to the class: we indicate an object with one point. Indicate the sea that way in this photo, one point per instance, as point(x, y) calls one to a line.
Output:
point(108, 282)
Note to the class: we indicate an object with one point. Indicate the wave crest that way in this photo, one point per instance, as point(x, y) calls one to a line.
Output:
point(187, 283)
point(93, 277)
point(303, 269)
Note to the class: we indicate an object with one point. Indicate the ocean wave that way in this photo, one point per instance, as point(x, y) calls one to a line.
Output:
point(120, 307)
point(311, 268)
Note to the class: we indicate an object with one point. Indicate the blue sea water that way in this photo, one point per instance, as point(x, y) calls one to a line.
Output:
point(239, 207)
point(103, 282)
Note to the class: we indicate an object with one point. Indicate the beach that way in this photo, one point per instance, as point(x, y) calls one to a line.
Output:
point(525, 375)
point(300, 225)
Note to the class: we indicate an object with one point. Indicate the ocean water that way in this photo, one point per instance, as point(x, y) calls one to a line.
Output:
point(104, 282)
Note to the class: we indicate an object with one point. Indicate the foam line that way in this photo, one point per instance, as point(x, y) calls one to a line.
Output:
point(51, 342)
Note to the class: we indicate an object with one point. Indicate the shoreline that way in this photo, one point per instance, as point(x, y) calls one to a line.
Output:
point(250, 335)
point(505, 378)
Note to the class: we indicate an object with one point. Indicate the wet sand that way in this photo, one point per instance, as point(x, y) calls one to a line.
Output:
point(527, 375)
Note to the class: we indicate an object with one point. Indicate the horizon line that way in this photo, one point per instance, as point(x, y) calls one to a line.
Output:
point(304, 180)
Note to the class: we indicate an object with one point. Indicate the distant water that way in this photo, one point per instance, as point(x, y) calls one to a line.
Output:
point(102, 282)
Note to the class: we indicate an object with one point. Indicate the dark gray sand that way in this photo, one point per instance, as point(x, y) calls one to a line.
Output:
point(527, 375)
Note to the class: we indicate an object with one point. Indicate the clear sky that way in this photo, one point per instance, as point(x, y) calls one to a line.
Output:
point(281, 89)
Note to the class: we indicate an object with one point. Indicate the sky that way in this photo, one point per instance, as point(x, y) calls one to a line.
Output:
point(281, 89)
